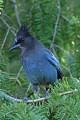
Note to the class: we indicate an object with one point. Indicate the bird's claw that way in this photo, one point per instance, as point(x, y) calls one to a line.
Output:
point(46, 94)
point(25, 99)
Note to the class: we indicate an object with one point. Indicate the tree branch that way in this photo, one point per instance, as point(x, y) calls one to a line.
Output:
point(55, 28)
point(7, 25)
point(30, 15)
point(16, 11)
point(12, 99)
point(65, 18)
point(68, 70)
point(18, 74)
point(5, 39)
point(68, 92)
point(62, 49)
point(28, 88)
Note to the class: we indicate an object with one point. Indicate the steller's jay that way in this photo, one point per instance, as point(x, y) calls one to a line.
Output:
point(40, 65)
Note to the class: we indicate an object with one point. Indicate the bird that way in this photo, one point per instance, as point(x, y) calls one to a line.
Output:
point(40, 65)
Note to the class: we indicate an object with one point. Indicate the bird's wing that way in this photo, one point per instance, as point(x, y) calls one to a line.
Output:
point(52, 59)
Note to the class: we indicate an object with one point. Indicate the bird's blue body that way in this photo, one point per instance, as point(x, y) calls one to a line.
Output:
point(40, 65)
point(38, 68)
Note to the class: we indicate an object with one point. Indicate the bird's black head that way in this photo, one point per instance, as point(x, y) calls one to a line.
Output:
point(20, 39)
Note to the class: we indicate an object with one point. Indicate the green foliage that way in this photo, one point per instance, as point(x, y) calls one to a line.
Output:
point(57, 107)
point(1, 6)
point(40, 16)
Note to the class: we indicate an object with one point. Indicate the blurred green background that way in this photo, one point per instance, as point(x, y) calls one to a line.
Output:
point(40, 16)
point(44, 18)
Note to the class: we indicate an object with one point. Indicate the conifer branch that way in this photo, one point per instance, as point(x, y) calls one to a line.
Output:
point(12, 99)
point(68, 92)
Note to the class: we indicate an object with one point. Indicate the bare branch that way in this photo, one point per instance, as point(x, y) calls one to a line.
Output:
point(55, 28)
point(16, 11)
point(28, 88)
point(68, 70)
point(30, 15)
point(19, 72)
point(8, 97)
point(57, 46)
point(68, 92)
point(5, 39)
point(65, 18)
point(7, 25)
point(12, 99)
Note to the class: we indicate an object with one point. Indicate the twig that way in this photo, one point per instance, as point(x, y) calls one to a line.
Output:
point(30, 15)
point(63, 116)
point(10, 29)
point(12, 99)
point(68, 92)
point(5, 39)
point(68, 70)
point(8, 97)
point(18, 74)
point(57, 46)
point(5, 15)
point(55, 27)
point(28, 88)
point(16, 11)
point(62, 49)
point(65, 18)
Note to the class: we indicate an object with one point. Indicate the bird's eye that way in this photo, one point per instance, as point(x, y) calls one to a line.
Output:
point(22, 40)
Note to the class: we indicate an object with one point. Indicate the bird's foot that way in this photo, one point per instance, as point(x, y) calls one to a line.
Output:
point(25, 99)
point(46, 94)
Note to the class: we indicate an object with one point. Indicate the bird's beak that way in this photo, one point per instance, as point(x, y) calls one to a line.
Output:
point(14, 47)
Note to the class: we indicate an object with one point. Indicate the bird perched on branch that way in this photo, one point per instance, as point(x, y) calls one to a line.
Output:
point(40, 65)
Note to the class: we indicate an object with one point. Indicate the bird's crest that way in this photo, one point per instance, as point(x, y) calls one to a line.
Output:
point(24, 29)
point(22, 33)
